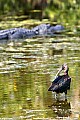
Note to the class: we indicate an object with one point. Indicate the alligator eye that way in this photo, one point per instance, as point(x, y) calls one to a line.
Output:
point(37, 31)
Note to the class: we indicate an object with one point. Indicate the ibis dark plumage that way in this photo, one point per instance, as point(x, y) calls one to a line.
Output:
point(62, 82)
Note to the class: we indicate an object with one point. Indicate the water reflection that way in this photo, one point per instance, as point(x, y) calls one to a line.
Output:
point(61, 108)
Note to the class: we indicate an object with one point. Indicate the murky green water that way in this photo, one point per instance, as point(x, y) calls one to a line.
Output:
point(27, 68)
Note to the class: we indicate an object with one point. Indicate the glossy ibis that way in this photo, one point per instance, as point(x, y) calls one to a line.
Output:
point(62, 82)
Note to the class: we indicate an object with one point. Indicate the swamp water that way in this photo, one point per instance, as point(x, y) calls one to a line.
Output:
point(27, 68)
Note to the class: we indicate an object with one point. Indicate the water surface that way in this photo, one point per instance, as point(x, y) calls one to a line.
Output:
point(27, 68)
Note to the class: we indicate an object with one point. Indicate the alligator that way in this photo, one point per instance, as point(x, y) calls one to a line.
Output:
point(20, 33)
point(16, 33)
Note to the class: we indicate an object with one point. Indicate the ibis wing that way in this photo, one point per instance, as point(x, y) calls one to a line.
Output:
point(62, 85)
point(54, 84)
